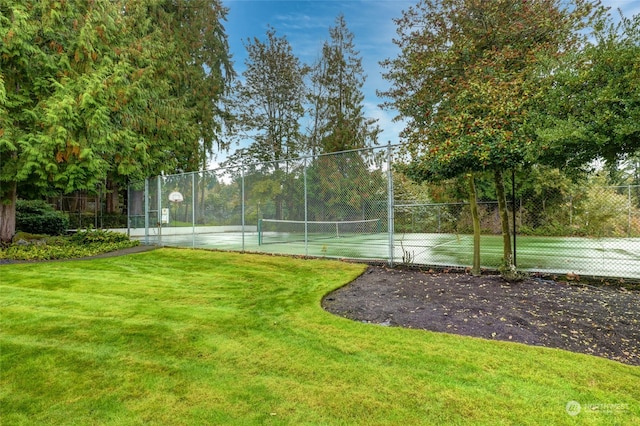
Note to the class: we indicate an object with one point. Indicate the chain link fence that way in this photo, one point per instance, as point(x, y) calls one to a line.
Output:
point(87, 210)
point(342, 205)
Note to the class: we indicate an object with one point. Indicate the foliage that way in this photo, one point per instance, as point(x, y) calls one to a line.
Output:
point(591, 110)
point(104, 220)
point(106, 90)
point(344, 186)
point(405, 189)
point(336, 99)
point(602, 212)
point(268, 107)
point(223, 204)
point(81, 244)
point(465, 75)
point(91, 236)
point(38, 217)
point(269, 102)
point(465, 80)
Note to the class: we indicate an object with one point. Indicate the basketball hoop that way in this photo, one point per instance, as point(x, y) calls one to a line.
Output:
point(176, 197)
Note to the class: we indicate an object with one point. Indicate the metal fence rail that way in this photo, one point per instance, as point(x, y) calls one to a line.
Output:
point(595, 232)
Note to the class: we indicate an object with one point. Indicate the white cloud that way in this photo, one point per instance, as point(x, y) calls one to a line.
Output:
point(390, 129)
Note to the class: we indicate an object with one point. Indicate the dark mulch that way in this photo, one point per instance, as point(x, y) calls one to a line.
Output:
point(601, 321)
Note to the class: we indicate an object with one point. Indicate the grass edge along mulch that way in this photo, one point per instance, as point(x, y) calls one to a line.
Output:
point(175, 336)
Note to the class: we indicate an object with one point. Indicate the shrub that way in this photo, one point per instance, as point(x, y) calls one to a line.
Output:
point(38, 217)
point(93, 236)
point(85, 243)
point(50, 250)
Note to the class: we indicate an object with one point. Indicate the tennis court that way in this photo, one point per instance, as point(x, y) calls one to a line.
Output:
point(345, 205)
point(614, 257)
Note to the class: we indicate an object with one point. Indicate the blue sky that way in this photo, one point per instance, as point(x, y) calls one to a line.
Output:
point(306, 25)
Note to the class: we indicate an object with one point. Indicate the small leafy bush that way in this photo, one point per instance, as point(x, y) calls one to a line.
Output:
point(58, 251)
point(81, 244)
point(92, 236)
point(38, 217)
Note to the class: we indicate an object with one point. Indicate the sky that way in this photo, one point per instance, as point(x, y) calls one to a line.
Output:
point(306, 23)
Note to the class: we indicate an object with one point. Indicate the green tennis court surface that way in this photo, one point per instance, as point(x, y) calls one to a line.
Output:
point(614, 257)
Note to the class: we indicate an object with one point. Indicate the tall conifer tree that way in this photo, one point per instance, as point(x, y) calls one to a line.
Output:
point(337, 101)
point(105, 90)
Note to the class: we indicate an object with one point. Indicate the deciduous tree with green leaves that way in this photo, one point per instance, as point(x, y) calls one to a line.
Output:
point(464, 79)
point(592, 110)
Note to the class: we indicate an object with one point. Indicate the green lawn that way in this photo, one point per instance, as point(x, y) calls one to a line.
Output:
point(601, 257)
point(188, 337)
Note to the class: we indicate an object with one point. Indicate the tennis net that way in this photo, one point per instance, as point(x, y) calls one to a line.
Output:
point(272, 231)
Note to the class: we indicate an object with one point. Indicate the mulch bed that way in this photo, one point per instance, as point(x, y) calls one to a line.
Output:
point(601, 321)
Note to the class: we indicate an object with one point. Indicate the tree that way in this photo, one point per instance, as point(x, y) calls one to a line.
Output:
point(336, 114)
point(268, 107)
point(269, 103)
point(464, 80)
point(104, 90)
point(343, 185)
point(592, 112)
point(202, 70)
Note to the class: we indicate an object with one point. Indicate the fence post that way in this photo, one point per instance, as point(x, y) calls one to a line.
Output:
point(146, 210)
point(193, 209)
point(390, 228)
point(629, 212)
point(306, 210)
point(128, 209)
point(242, 196)
point(159, 210)
point(513, 213)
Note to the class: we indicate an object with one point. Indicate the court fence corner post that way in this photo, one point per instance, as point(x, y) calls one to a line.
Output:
point(128, 209)
point(390, 228)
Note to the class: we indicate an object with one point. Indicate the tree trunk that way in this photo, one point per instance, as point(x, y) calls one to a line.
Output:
point(507, 253)
point(112, 198)
point(8, 212)
point(473, 202)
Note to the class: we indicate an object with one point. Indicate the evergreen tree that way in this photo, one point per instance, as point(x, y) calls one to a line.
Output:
point(336, 98)
point(268, 104)
point(105, 90)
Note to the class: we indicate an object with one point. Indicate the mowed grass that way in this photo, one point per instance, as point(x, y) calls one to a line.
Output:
point(189, 337)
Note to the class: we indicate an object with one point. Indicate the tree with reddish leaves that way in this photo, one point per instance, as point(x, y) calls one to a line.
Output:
point(464, 80)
